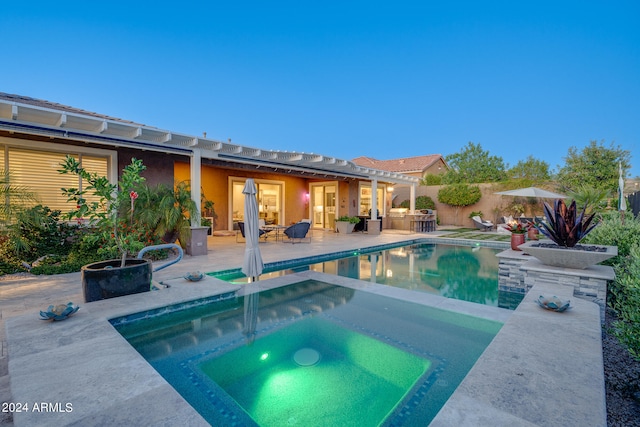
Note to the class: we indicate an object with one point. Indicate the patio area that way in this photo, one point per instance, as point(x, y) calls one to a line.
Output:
point(541, 367)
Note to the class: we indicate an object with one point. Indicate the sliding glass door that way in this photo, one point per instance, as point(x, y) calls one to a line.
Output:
point(323, 204)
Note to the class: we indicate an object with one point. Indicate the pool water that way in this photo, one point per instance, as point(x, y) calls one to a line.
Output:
point(310, 361)
point(310, 354)
point(468, 273)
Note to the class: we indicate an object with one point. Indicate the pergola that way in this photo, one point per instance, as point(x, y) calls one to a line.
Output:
point(29, 116)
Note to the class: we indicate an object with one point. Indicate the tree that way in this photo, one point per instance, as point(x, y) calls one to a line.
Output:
point(531, 170)
point(595, 166)
point(431, 179)
point(458, 195)
point(474, 165)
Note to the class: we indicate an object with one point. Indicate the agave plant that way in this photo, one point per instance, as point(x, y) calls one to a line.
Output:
point(564, 226)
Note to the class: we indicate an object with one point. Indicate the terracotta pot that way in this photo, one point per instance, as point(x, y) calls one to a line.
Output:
point(532, 234)
point(517, 239)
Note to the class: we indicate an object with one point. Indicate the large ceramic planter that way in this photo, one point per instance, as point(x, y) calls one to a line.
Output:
point(345, 227)
point(568, 257)
point(516, 240)
point(106, 279)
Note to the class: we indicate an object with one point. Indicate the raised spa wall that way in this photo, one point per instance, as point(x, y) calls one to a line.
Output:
point(519, 272)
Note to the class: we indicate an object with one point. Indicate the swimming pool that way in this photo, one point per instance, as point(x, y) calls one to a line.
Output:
point(312, 353)
point(468, 273)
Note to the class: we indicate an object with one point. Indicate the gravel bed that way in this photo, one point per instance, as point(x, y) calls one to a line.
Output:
point(622, 380)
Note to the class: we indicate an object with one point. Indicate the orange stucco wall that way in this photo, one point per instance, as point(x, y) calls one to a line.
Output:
point(215, 185)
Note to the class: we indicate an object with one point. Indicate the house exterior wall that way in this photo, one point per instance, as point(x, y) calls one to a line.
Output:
point(215, 185)
point(159, 165)
point(164, 168)
point(437, 168)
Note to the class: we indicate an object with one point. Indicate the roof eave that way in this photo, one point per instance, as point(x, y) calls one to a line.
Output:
point(52, 122)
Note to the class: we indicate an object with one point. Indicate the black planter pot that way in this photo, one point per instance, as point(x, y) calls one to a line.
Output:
point(106, 279)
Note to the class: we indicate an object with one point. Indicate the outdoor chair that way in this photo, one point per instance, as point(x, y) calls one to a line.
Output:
point(482, 225)
point(261, 233)
point(298, 232)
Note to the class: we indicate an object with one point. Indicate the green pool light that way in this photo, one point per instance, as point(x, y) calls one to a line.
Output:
point(264, 356)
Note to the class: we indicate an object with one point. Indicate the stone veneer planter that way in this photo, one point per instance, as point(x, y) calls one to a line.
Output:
point(568, 257)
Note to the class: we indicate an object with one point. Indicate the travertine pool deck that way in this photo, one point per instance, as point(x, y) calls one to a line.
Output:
point(543, 368)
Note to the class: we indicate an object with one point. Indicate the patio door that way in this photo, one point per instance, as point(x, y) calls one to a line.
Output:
point(323, 204)
point(270, 201)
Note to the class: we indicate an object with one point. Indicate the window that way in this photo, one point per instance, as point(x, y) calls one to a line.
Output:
point(365, 199)
point(37, 171)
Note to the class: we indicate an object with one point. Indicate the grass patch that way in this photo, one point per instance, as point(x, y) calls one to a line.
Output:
point(474, 235)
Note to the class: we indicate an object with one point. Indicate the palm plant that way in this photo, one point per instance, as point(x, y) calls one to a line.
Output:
point(168, 211)
point(594, 198)
point(564, 226)
point(13, 198)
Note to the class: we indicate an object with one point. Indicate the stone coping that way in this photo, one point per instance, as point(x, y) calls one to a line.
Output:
point(86, 368)
point(543, 368)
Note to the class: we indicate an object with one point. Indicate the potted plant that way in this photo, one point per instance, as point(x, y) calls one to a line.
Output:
point(206, 222)
point(518, 231)
point(345, 224)
point(209, 215)
point(110, 215)
point(565, 227)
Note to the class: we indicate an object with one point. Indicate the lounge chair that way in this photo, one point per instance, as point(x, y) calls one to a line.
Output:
point(482, 225)
point(261, 233)
point(299, 232)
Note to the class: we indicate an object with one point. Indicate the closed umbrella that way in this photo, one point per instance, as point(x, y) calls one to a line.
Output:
point(532, 192)
point(252, 265)
point(622, 202)
point(251, 303)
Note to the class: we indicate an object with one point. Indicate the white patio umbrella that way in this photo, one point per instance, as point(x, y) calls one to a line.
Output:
point(251, 303)
point(622, 202)
point(532, 192)
point(252, 265)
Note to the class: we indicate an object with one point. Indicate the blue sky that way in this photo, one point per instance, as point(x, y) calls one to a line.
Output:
point(345, 78)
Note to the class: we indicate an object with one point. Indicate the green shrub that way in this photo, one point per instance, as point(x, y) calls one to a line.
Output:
point(626, 301)
point(38, 231)
point(623, 294)
point(422, 202)
point(64, 264)
point(351, 219)
point(459, 195)
point(10, 263)
point(612, 231)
